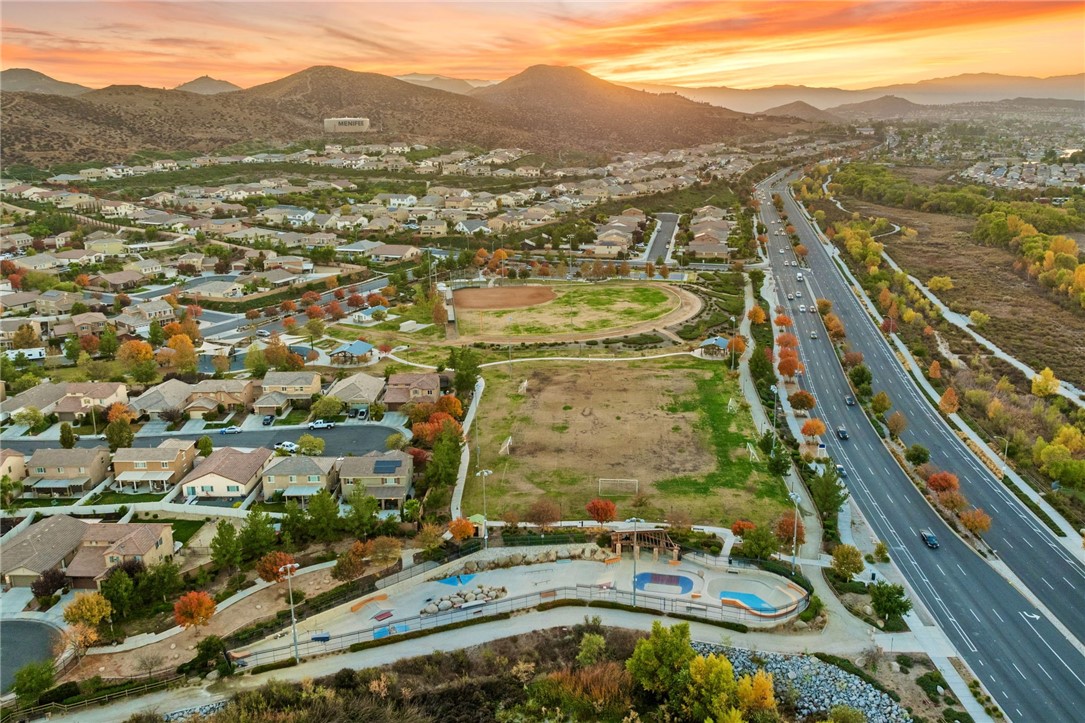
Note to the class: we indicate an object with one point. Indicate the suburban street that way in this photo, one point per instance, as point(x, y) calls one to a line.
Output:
point(1026, 662)
point(668, 225)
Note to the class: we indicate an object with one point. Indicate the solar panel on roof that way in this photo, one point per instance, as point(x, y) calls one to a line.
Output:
point(386, 466)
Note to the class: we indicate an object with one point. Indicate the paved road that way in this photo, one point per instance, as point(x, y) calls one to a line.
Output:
point(668, 225)
point(1027, 663)
point(356, 439)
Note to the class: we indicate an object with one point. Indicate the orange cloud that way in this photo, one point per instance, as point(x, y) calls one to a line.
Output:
point(847, 43)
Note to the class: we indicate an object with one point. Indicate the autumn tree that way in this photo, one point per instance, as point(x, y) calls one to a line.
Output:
point(440, 314)
point(896, 423)
point(943, 482)
point(940, 283)
point(802, 400)
point(1045, 384)
point(785, 528)
point(25, 337)
point(787, 340)
point(194, 610)
point(824, 306)
point(952, 500)
point(847, 561)
point(119, 411)
point(269, 567)
point(976, 521)
point(742, 527)
point(461, 528)
point(813, 428)
point(934, 371)
point(385, 551)
point(602, 510)
point(880, 403)
point(835, 327)
point(736, 345)
point(220, 363)
point(87, 609)
point(543, 513)
point(949, 403)
point(755, 693)
point(852, 359)
point(351, 563)
point(783, 320)
point(789, 366)
point(134, 351)
point(449, 404)
point(756, 315)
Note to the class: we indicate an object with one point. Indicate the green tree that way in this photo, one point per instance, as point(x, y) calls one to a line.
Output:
point(846, 714)
point(917, 454)
point(144, 372)
point(29, 417)
point(326, 407)
point(310, 445)
point(119, 434)
point(67, 436)
point(108, 344)
point(324, 517)
point(33, 679)
point(257, 536)
point(444, 465)
point(155, 336)
point(660, 662)
point(847, 561)
point(118, 589)
point(72, 348)
point(361, 518)
point(159, 582)
point(295, 523)
point(860, 375)
point(779, 461)
point(412, 510)
point(592, 649)
point(759, 543)
point(396, 441)
point(889, 601)
point(880, 403)
point(465, 361)
point(256, 362)
point(205, 445)
point(10, 489)
point(827, 492)
point(226, 546)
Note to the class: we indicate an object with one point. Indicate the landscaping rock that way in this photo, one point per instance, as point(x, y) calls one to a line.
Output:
point(867, 610)
point(800, 625)
point(894, 666)
point(430, 609)
point(516, 558)
point(563, 554)
point(444, 605)
point(213, 675)
point(470, 566)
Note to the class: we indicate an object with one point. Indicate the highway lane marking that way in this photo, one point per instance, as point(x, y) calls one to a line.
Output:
point(1043, 640)
point(977, 617)
point(997, 615)
point(1045, 671)
point(940, 568)
point(1069, 583)
point(1025, 540)
point(961, 569)
point(1010, 544)
point(1047, 583)
point(1023, 677)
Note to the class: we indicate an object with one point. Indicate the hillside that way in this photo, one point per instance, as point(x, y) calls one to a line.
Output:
point(545, 109)
point(31, 81)
point(438, 82)
point(805, 111)
point(206, 85)
point(888, 106)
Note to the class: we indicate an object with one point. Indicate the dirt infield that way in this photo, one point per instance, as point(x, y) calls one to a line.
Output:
point(503, 297)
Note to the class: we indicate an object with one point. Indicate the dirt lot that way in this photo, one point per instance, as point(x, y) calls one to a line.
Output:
point(574, 424)
point(1025, 322)
point(571, 312)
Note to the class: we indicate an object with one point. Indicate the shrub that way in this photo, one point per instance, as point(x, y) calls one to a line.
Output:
point(288, 663)
point(60, 693)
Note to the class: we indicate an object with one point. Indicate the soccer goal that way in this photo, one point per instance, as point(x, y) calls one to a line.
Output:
point(506, 446)
point(618, 486)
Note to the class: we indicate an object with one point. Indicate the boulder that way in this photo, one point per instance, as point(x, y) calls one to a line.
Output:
point(552, 555)
point(516, 558)
point(469, 597)
point(800, 625)
point(470, 566)
point(430, 609)
point(213, 675)
point(941, 690)
point(894, 666)
point(860, 662)
point(867, 610)
point(444, 605)
point(563, 554)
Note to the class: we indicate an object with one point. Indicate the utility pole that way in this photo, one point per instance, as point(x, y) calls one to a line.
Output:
point(288, 570)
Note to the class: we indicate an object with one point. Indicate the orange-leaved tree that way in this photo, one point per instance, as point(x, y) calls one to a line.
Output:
point(785, 527)
point(783, 320)
point(952, 500)
point(976, 521)
point(270, 565)
point(133, 352)
point(756, 315)
point(461, 528)
point(194, 609)
point(787, 340)
point(741, 527)
point(813, 428)
point(119, 411)
point(802, 400)
point(788, 366)
point(935, 370)
point(602, 510)
point(736, 345)
point(949, 403)
point(943, 482)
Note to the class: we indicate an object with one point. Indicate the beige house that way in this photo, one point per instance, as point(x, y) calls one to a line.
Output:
point(12, 464)
point(158, 467)
point(387, 476)
point(105, 545)
point(227, 473)
point(70, 401)
point(357, 390)
point(66, 472)
point(9, 327)
point(299, 478)
point(51, 543)
point(411, 387)
point(55, 303)
point(209, 393)
point(281, 389)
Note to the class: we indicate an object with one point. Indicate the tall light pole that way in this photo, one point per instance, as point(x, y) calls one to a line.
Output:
point(635, 521)
point(734, 330)
point(1005, 454)
point(794, 496)
point(484, 473)
point(288, 570)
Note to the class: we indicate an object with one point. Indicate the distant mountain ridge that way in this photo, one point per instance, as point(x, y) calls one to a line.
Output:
point(31, 81)
point(463, 86)
point(798, 109)
point(206, 85)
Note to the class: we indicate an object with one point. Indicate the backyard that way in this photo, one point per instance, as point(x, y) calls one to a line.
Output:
point(666, 424)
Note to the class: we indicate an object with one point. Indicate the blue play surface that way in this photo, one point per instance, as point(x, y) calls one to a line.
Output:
point(457, 580)
point(390, 630)
point(681, 582)
point(749, 600)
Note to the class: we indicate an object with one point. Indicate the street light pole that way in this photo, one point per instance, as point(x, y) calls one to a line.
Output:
point(484, 473)
point(1005, 454)
point(635, 521)
point(288, 570)
point(734, 330)
point(795, 530)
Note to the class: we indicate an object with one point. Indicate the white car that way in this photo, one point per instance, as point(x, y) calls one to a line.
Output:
point(790, 297)
point(287, 447)
point(230, 430)
point(321, 424)
point(802, 308)
point(781, 250)
point(798, 294)
point(813, 309)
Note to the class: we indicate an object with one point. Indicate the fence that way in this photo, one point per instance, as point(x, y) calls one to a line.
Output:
point(52, 708)
point(586, 593)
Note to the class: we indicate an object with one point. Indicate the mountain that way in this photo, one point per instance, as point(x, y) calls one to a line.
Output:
point(544, 109)
point(31, 81)
point(441, 82)
point(888, 106)
point(805, 111)
point(975, 87)
point(206, 85)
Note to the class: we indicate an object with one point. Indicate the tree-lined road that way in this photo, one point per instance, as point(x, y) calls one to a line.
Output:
point(1030, 667)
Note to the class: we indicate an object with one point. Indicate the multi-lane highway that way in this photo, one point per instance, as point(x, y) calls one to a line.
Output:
point(1026, 661)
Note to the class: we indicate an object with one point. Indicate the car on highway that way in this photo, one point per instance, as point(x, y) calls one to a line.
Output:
point(321, 424)
point(802, 308)
point(813, 335)
point(232, 429)
point(790, 297)
point(798, 294)
point(287, 447)
point(849, 400)
point(929, 539)
point(842, 432)
point(781, 251)
point(268, 420)
point(841, 472)
point(813, 309)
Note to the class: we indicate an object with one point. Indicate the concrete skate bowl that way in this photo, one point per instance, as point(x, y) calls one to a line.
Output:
point(763, 594)
point(665, 583)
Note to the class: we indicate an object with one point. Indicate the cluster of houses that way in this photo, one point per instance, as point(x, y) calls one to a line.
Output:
point(1020, 174)
point(57, 314)
point(709, 228)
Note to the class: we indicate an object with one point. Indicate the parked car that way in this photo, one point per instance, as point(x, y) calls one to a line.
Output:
point(929, 539)
point(287, 447)
point(841, 432)
point(352, 414)
point(232, 429)
point(321, 424)
point(269, 419)
point(363, 413)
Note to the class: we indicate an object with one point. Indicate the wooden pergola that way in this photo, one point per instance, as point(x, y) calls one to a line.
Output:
point(653, 538)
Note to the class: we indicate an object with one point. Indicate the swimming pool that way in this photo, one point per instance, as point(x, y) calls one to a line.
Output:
point(746, 600)
point(659, 582)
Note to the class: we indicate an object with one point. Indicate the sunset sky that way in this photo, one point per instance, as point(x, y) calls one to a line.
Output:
point(735, 43)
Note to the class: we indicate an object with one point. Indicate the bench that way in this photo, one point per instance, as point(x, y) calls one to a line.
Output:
point(382, 615)
point(611, 560)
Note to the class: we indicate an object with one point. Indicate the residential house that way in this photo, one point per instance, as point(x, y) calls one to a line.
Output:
point(45, 545)
point(170, 394)
point(227, 473)
point(411, 387)
point(394, 253)
point(153, 311)
point(281, 389)
point(55, 303)
point(357, 391)
point(473, 226)
point(291, 264)
point(158, 467)
point(66, 472)
point(9, 327)
point(12, 464)
point(70, 401)
point(395, 200)
point(81, 257)
point(387, 476)
point(224, 289)
point(116, 209)
point(300, 477)
point(358, 248)
point(147, 267)
point(105, 545)
point(39, 262)
point(118, 280)
point(208, 394)
point(432, 227)
point(20, 301)
point(709, 250)
point(91, 322)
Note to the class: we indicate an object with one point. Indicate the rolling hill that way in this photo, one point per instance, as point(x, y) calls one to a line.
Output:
point(805, 111)
point(206, 85)
point(31, 81)
point(888, 106)
point(543, 108)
